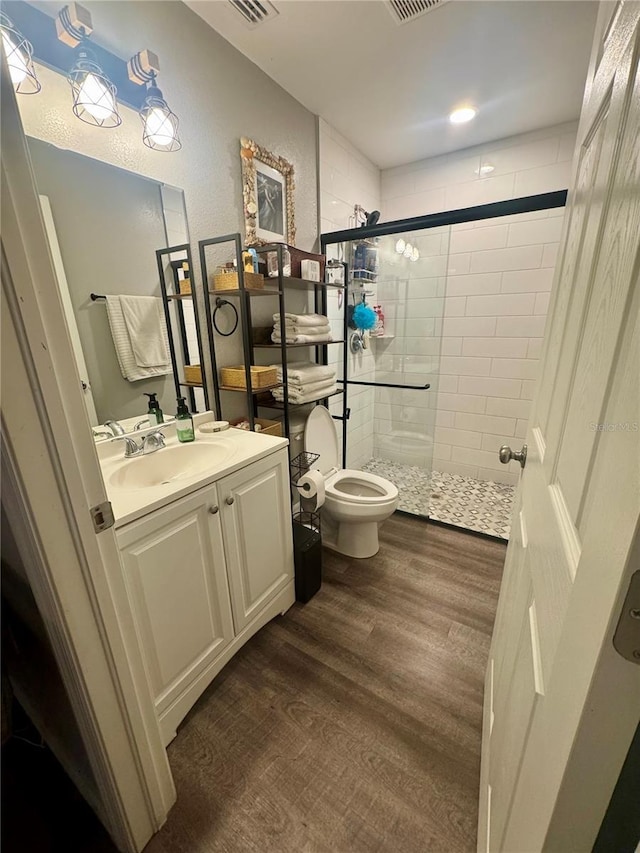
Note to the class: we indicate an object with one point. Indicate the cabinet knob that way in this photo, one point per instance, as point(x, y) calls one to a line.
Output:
point(213, 510)
point(230, 500)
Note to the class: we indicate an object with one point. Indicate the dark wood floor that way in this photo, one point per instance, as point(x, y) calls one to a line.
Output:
point(353, 722)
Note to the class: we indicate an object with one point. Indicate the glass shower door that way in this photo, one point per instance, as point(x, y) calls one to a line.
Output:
point(393, 369)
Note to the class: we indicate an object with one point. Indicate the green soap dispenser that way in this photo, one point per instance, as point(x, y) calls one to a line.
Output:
point(184, 422)
point(155, 412)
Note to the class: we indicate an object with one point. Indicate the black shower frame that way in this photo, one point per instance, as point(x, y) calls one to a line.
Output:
point(510, 207)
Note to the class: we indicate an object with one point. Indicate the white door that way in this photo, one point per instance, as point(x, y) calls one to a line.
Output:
point(65, 296)
point(560, 704)
point(176, 577)
point(256, 521)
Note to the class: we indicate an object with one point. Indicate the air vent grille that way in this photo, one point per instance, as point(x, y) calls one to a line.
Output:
point(404, 11)
point(254, 12)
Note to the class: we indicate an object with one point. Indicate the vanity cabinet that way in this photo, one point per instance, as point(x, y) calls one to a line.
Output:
point(203, 574)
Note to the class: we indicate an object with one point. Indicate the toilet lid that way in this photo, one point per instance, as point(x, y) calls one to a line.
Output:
point(320, 437)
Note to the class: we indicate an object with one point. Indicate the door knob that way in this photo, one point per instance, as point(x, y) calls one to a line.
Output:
point(506, 454)
point(213, 510)
point(230, 500)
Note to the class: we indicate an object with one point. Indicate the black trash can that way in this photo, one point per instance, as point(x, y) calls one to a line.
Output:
point(307, 552)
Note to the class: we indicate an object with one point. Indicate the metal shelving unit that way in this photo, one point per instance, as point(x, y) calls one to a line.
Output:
point(170, 295)
point(256, 398)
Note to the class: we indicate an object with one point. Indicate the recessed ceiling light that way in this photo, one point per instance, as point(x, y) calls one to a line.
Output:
point(485, 170)
point(462, 115)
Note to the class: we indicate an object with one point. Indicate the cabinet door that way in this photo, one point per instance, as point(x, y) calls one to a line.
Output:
point(175, 572)
point(256, 522)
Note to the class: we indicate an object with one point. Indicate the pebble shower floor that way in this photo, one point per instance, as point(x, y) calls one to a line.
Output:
point(480, 505)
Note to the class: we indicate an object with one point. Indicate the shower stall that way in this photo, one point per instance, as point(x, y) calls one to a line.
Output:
point(396, 396)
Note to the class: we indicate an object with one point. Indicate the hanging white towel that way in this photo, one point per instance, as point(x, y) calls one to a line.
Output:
point(122, 344)
point(144, 316)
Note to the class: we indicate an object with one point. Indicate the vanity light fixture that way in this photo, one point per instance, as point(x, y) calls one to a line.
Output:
point(159, 123)
point(462, 115)
point(400, 245)
point(18, 52)
point(415, 254)
point(94, 95)
point(408, 250)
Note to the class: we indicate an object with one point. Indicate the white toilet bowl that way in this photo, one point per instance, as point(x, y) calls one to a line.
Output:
point(356, 502)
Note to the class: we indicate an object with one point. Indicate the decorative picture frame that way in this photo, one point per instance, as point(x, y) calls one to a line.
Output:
point(267, 194)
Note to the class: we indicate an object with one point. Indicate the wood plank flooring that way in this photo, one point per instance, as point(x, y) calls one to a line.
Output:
point(352, 724)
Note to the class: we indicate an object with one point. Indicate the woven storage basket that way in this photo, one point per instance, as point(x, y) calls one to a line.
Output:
point(185, 286)
point(261, 377)
point(231, 281)
point(193, 373)
point(268, 427)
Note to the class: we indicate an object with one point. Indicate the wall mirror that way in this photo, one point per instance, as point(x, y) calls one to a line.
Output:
point(104, 226)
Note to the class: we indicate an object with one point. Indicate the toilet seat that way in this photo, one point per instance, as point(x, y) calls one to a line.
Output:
point(360, 487)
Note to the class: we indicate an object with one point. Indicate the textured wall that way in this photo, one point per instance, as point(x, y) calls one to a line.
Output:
point(218, 94)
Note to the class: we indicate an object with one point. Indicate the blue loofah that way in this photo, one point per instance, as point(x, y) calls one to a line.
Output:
point(364, 317)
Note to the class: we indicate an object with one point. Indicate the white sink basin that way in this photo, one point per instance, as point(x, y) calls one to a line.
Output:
point(172, 463)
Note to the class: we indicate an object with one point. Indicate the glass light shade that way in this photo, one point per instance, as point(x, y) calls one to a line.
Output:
point(94, 95)
point(415, 254)
point(18, 52)
point(408, 250)
point(400, 246)
point(159, 124)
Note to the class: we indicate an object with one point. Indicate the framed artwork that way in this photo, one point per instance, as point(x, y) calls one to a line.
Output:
point(267, 193)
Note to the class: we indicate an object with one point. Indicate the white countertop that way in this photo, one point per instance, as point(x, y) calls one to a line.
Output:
point(129, 504)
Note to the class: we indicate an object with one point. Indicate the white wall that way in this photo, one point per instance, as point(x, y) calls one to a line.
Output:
point(219, 95)
point(499, 277)
point(347, 178)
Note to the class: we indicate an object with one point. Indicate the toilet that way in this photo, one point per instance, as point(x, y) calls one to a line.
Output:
point(356, 502)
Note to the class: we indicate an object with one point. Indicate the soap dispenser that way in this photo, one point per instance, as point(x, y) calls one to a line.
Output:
point(155, 412)
point(184, 422)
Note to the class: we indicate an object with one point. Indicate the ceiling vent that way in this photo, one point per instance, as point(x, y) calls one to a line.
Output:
point(404, 11)
point(254, 12)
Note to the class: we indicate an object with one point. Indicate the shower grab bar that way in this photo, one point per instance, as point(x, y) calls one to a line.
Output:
point(386, 385)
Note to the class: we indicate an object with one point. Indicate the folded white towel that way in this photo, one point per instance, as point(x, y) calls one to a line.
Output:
point(144, 317)
point(307, 371)
point(122, 345)
point(309, 386)
point(303, 319)
point(298, 338)
point(298, 397)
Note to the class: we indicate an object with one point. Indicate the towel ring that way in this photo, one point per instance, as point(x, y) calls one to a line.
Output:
point(219, 304)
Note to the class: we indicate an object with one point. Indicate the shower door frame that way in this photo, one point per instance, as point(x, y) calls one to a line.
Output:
point(495, 209)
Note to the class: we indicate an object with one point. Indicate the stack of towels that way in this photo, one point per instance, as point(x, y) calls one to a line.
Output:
point(302, 329)
point(306, 382)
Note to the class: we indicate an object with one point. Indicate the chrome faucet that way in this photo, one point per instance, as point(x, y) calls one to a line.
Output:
point(115, 427)
point(140, 424)
point(131, 446)
point(152, 442)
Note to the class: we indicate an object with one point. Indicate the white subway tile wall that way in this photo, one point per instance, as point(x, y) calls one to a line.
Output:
point(347, 178)
point(500, 274)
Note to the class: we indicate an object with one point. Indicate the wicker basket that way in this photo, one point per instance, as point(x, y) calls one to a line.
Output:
point(184, 285)
point(261, 377)
point(268, 427)
point(193, 373)
point(231, 281)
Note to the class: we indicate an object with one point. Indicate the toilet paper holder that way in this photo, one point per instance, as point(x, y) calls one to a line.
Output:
point(300, 465)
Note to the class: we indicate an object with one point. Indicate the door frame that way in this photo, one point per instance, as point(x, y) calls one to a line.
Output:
point(75, 573)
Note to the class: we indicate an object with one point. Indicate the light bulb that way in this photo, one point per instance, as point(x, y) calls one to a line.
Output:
point(159, 127)
point(96, 98)
point(400, 246)
point(16, 60)
point(408, 250)
point(415, 254)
